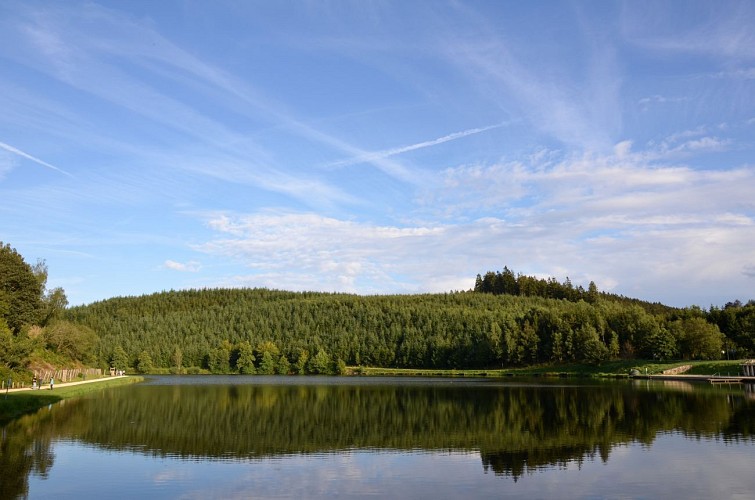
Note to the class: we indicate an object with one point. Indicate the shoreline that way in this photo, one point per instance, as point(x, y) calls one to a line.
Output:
point(15, 403)
point(721, 379)
point(46, 387)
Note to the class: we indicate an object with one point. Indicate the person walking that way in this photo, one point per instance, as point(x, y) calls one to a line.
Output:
point(52, 382)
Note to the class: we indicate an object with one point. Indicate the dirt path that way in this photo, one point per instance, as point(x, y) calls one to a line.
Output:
point(46, 386)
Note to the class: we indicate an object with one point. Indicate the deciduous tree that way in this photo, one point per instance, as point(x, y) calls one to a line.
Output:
point(20, 290)
point(77, 342)
point(697, 339)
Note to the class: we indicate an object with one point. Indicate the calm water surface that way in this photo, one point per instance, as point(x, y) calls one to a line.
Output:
point(283, 437)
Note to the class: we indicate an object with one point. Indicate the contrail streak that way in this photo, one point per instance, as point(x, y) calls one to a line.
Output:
point(18, 152)
point(377, 155)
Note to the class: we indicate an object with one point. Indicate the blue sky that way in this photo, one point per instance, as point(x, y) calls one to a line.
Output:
point(380, 147)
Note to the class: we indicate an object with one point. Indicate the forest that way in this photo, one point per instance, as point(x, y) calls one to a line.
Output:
point(269, 331)
point(506, 320)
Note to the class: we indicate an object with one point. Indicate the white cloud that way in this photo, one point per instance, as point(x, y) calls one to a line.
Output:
point(631, 228)
point(615, 219)
point(660, 99)
point(604, 182)
point(188, 267)
point(688, 142)
point(701, 144)
point(685, 134)
point(622, 149)
point(646, 102)
point(306, 251)
point(739, 74)
point(321, 252)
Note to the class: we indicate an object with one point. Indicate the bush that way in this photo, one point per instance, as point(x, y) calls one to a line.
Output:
point(320, 364)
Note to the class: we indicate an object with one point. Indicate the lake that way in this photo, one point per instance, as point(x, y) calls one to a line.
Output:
point(348, 437)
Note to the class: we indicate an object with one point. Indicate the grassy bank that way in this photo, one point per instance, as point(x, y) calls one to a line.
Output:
point(610, 369)
point(15, 404)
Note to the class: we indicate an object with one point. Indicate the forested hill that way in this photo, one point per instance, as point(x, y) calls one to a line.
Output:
point(265, 331)
point(507, 283)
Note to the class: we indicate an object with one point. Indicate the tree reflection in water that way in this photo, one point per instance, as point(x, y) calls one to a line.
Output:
point(25, 448)
point(516, 428)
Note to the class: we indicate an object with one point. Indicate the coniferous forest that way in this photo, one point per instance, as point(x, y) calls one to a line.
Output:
point(267, 331)
point(507, 320)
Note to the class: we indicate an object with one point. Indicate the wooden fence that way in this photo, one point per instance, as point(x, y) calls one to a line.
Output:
point(43, 376)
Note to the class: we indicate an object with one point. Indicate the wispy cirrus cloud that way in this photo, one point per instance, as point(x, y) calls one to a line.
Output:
point(92, 66)
point(56, 45)
point(580, 113)
point(723, 29)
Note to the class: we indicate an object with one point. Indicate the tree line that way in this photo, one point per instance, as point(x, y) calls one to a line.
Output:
point(508, 283)
point(735, 320)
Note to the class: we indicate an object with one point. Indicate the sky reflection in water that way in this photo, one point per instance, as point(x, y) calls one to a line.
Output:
point(673, 467)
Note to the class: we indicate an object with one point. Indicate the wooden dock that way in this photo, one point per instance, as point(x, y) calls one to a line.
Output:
point(712, 379)
point(726, 380)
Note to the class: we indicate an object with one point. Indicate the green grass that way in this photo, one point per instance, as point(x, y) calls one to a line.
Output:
point(722, 367)
point(609, 369)
point(15, 404)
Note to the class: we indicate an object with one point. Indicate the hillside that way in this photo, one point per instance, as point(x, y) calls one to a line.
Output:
point(267, 331)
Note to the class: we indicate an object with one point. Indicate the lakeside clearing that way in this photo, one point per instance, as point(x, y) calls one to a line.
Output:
point(17, 402)
point(609, 369)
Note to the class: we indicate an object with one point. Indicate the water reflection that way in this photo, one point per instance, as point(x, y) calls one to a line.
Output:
point(25, 448)
point(515, 428)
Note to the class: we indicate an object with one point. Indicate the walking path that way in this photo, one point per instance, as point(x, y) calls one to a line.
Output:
point(46, 386)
